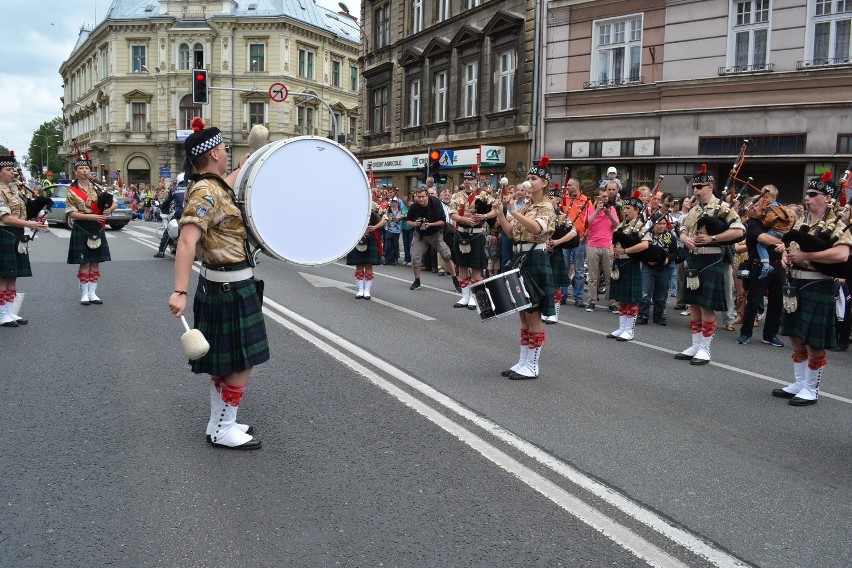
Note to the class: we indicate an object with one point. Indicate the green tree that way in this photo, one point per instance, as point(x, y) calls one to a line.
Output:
point(4, 151)
point(43, 149)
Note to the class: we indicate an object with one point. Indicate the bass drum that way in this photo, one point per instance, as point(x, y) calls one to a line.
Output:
point(305, 200)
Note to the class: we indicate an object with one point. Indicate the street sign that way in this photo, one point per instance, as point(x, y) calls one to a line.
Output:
point(165, 171)
point(447, 158)
point(278, 92)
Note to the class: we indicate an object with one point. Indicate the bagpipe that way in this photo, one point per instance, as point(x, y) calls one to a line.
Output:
point(631, 234)
point(105, 199)
point(37, 206)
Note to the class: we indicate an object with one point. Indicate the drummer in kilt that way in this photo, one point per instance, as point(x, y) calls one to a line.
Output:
point(531, 227)
point(88, 244)
point(13, 221)
point(368, 252)
point(709, 224)
point(626, 275)
point(228, 300)
point(470, 208)
point(563, 232)
point(809, 317)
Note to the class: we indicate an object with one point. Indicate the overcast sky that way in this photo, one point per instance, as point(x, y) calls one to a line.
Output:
point(37, 38)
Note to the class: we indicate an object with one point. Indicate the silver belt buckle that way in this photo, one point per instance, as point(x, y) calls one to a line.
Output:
point(226, 286)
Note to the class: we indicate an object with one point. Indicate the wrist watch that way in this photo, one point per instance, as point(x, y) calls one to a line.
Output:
point(713, 238)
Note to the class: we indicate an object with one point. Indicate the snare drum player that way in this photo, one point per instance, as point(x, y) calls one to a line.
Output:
point(810, 321)
point(470, 208)
point(531, 227)
point(13, 262)
point(228, 301)
point(709, 224)
point(88, 244)
point(368, 252)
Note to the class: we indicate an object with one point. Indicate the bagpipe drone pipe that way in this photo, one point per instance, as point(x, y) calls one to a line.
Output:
point(821, 241)
point(36, 204)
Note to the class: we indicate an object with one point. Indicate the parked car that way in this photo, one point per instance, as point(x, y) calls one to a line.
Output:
point(120, 216)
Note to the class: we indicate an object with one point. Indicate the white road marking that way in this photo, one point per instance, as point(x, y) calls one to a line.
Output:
point(617, 533)
point(323, 282)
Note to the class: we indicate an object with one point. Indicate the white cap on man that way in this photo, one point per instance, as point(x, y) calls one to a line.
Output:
point(612, 170)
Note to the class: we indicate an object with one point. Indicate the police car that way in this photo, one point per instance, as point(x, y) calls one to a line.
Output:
point(120, 216)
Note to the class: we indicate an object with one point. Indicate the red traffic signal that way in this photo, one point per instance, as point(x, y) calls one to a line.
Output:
point(434, 161)
point(200, 93)
point(434, 155)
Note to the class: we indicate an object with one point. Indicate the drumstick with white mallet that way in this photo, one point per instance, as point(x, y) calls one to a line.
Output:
point(258, 135)
point(194, 343)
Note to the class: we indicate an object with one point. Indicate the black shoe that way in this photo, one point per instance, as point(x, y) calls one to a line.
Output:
point(796, 401)
point(250, 431)
point(415, 285)
point(642, 321)
point(253, 444)
point(456, 284)
point(781, 393)
point(22, 321)
point(679, 307)
point(518, 377)
point(9, 324)
point(660, 321)
point(563, 301)
point(579, 304)
point(159, 255)
point(86, 303)
point(840, 347)
point(614, 310)
point(506, 373)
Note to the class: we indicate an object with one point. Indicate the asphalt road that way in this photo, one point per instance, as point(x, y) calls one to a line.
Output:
point(391, 439)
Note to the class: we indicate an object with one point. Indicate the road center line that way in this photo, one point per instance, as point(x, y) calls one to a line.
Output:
point(594, 518)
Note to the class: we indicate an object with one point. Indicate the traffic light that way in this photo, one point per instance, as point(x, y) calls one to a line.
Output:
point(434, 161)
point(422, 174)
point(199, 87)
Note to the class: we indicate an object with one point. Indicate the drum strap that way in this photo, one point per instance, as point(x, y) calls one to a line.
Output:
point(224, 185)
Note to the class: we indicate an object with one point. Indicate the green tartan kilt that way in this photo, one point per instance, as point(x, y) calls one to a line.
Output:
point(537, 267)
point(232, 322)
point(559, 268)
point(814, 319)
point(369, 256)
point(79, 252)
point(12, 263)
point(711, 292)
point(476, 257)
point(628, 287)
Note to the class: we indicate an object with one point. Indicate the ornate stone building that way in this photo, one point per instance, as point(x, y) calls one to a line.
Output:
point(128, 80)
point(455, 75)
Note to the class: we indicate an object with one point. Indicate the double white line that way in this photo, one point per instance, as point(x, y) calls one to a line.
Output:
point(347, 353)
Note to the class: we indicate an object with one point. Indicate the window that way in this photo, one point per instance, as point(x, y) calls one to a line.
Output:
point(473, 3)
point(471, 71)
point(353, 129)
point(139, 114)
point(353, 77)
point(506, 80)
point(187, 112)
point(306, 63)
point(183, 57)
point(414, 103)
point(257, 57)
point(618, 51)
point(441, 96)
point(256, 113)
point(198, 56)
point(137, 58)
point(104, 64)
point(831, 32)
point(416, 16)
point(750, 35)
point(379, 110)
point(306, 120)
point(382, 26)
point(335, 73)
point(443, 10)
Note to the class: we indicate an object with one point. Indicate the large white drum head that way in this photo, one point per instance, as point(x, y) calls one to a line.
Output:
point(305, 200)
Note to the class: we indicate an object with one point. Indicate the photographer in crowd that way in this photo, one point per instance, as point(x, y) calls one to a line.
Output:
point(426, 216)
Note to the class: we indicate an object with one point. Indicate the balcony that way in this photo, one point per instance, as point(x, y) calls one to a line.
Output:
point(823, 62)
point(737, 69)
point(613, 83)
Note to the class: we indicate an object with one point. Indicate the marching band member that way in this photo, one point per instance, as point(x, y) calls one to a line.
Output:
point(626, 277)
point(228, 300)
point(470, 208)
point(809, 315)
point(368, 251)
point(564, 231)
point(709, 224)
point(531, 227)
point(88, 244)
point(13, 262)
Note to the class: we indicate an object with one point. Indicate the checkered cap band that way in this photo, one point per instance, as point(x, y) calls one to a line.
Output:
point(7, 162)
point(703, 178)
point(205, 146)
point(543, 173)
point(826, 187)
point(82, 162)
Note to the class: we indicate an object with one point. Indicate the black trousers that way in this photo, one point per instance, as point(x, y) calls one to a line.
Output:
point(756, 289)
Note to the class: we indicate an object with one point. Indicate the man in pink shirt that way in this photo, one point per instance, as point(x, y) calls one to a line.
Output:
point(601, 221)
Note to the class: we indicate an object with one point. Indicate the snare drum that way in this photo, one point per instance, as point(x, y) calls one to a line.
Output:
point(500, 295)
point(305, 199)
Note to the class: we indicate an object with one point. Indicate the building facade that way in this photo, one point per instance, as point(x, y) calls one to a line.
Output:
point(657, 87)
point(128, 80)
point(454, 75)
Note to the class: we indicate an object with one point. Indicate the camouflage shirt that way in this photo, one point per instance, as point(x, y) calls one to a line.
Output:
point(73, 203)
point(845, 237)
point(481, 203)
point(211, 208)
point(715, 208)
point(542, 213)
point(11, 203)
